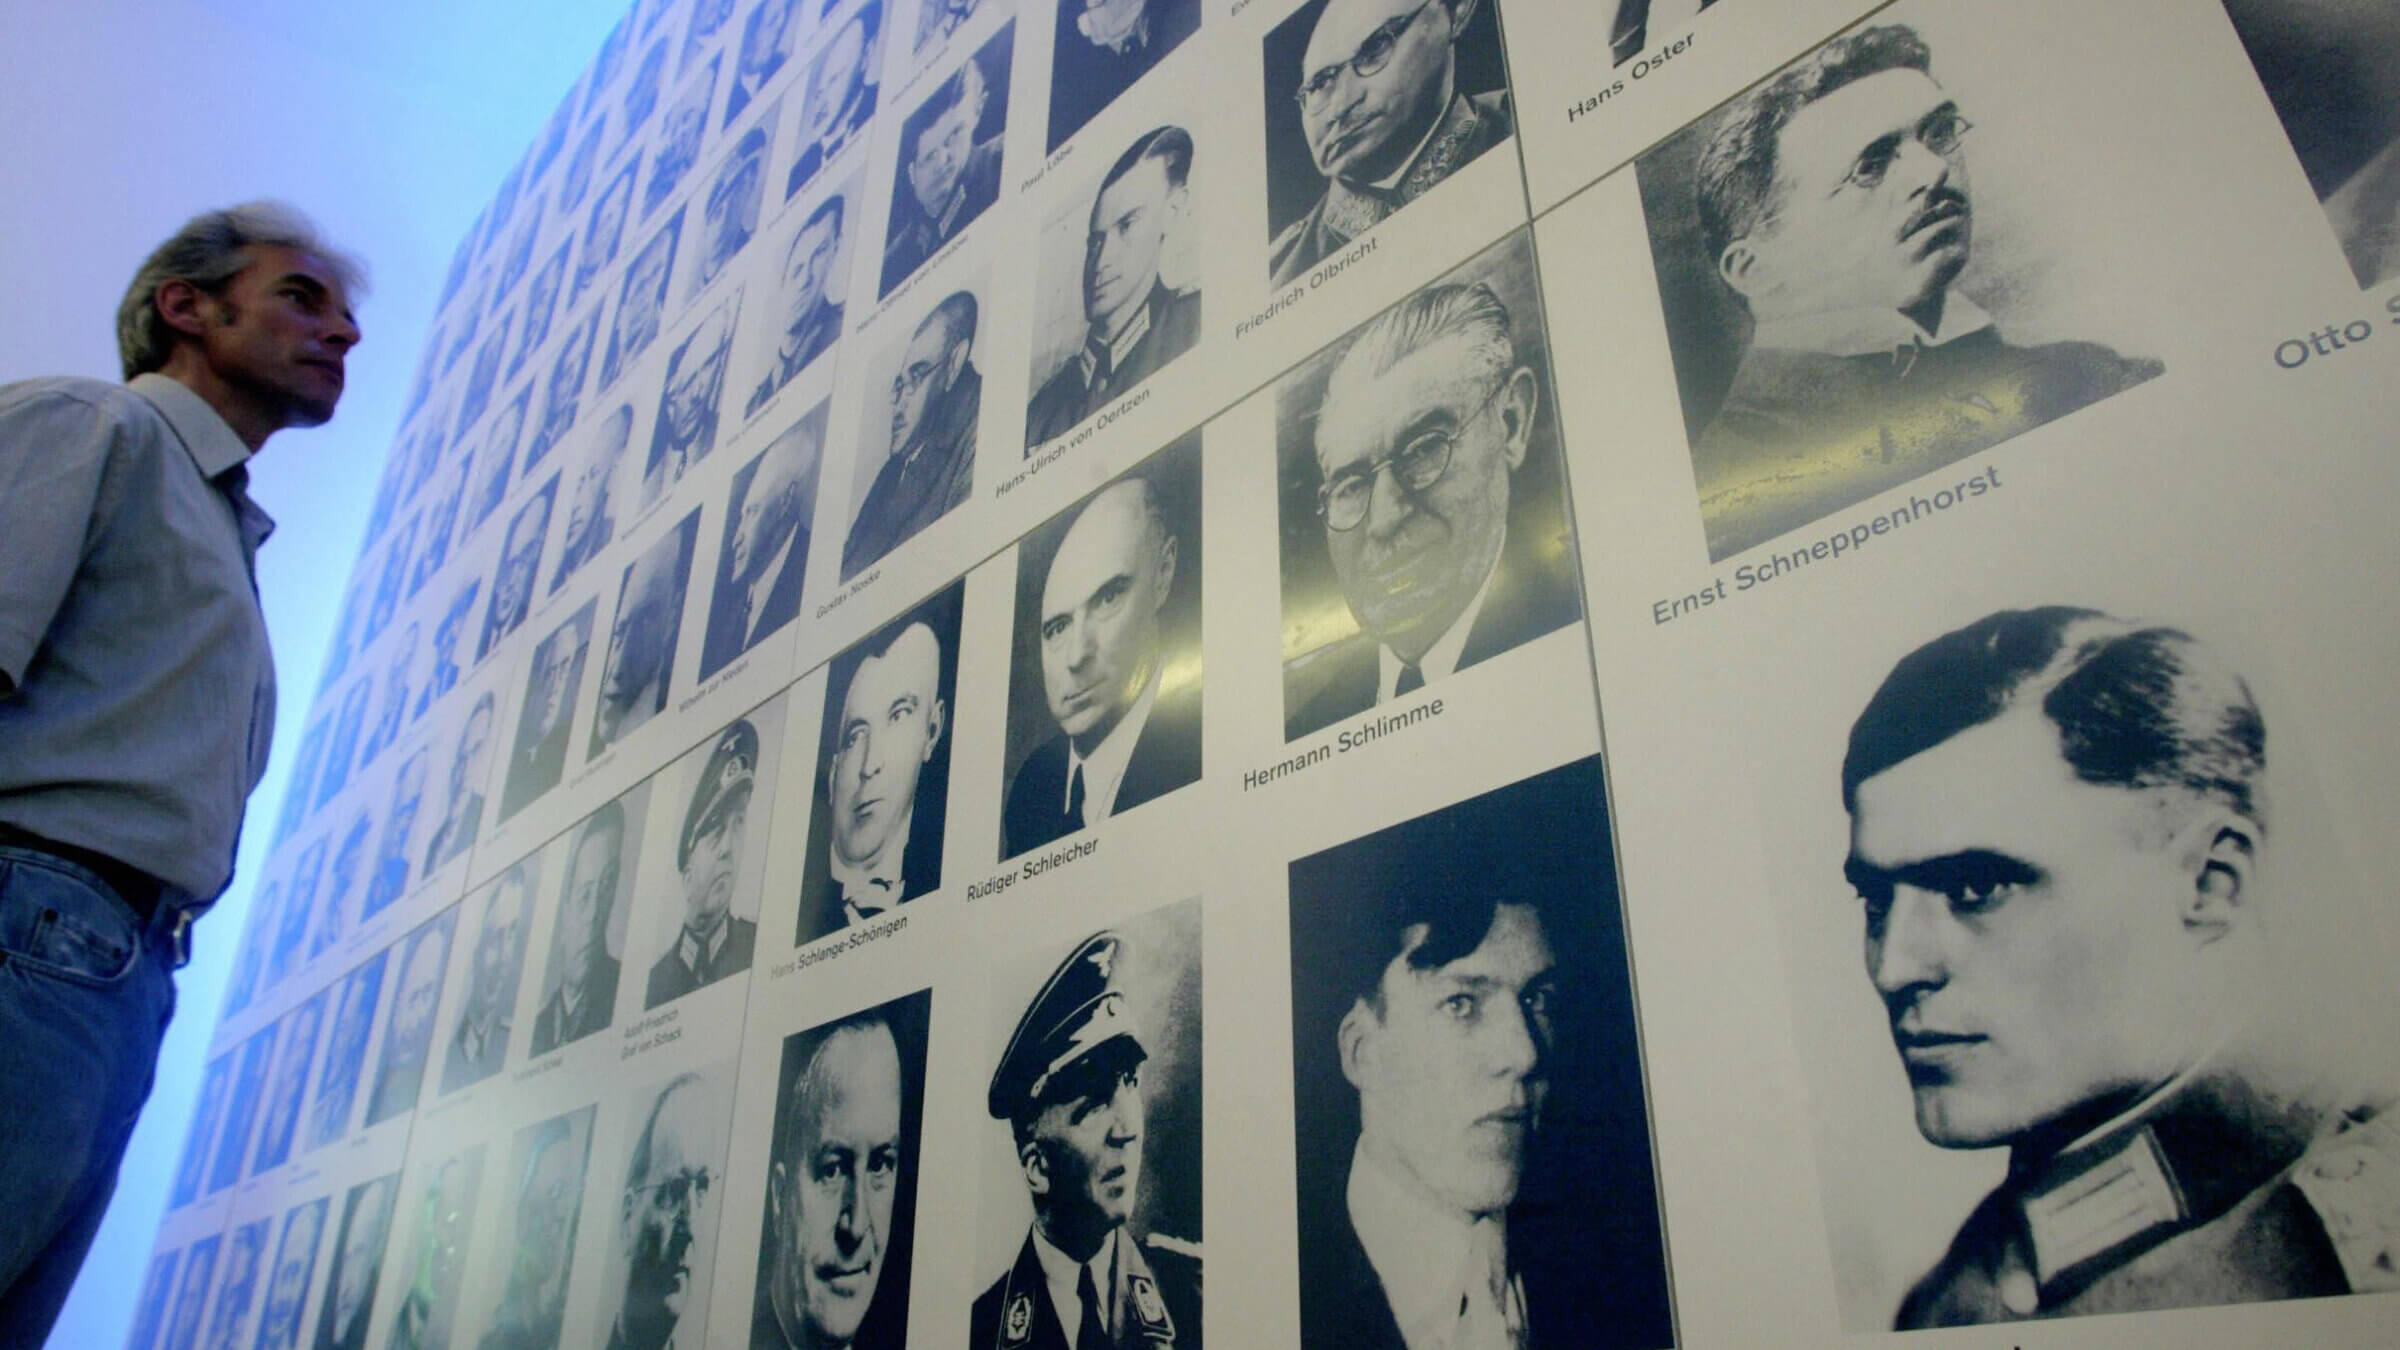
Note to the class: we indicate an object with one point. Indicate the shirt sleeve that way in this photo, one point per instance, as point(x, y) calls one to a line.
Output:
point(53, 455)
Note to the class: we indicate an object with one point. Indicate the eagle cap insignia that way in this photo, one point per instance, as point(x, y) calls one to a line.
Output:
point(1019, 1322)
point(1147, 1305)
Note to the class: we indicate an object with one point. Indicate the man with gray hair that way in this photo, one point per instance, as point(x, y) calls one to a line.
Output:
point(137, 693)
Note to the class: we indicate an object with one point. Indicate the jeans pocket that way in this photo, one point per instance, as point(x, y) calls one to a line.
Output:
point(61, 920)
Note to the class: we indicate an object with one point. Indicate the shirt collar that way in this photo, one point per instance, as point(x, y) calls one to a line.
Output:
point(760, 589)
point(203, 431)
point(875, 883)
point(1059, 1271)
point(1441, 658)
point(1121, 347)
point(699, 949)
point(1418, 1247)
point(1104, 771)
point(1871, 331)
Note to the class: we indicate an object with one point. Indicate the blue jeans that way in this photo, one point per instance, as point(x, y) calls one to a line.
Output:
point(86, 988)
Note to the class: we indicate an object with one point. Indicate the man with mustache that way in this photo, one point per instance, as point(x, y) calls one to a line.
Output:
point(1427, 418)
point(1136, 323)
point(831, 1192)
point(668, 1185)
point(937, 399)
point(1384, 117)
point(1834, 204)
point(2060, 844)
point(1070, 1087)
point(713, 942)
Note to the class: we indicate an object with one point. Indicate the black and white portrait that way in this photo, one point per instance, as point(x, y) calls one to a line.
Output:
point(653, 1291)
point(605, 232)
point(462, 790)
point(1638, 25)
point(436, 1251)
point(707, 25)
point(538, 757)
point(336, 1094)
point(806, 309)
point(641, 301)
point(495, 469)
point(483, 378)
point(545, 1198)
point(337, 903)
point(563, 395)
point(304, 770)
point(575, 181)
point(251, 963)
point(949, 168)
point(642, 92)
point(1092, 1181)
point(1104, 683)
point(927, 466)
point(677, 147)
point(1424, 527)
point(291, 924)
point(421, 958)
point(1102, 46)
point(541, 307)
point(520, 565)
point(388, 877)
point(875, 829)
point(592, 501)
point(355, 1265)
point(2077, 933)
point(441, 525)
point(712, 929)
point(391, 707)
point(693, 399)
point(643, 637)
point(208, 1112)
point(579, 980)
point(519, 257)
point(1370, 105)
point(287, 1282)
point(478, 1041)
point(1474, 1157)
point(1126, 302)
point(768, 35)
point(389, 579)
point(449, 634)
point(1815, 245)
point(341, 746)
point(2332, 70)
point(191, 1294)
point(763, 559)
point(838, 104)
point(938, 19)
point(837, 1240)
point(295, 1050)
point(600, 80)
point(237, 1287)
point(729, 216)
point(150, 1309)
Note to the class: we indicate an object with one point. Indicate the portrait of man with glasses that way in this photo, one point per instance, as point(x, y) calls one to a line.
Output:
point(1824, 222)
point(1370, 105)
point(666, 1225)
point(929, 463)
point(1421, 520)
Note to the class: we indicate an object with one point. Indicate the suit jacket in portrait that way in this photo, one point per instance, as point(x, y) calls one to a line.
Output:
point(1166, 757)
point(839, 137)
point(1469, 126)
point(1155, 1302)
point(1087, 77)
point(671, 979)
point(455, 835)
point(804, 342)
point(1629, 36)
point(732, 627)
point(1081, 387)
point(1530, 595)
point(916, 236)
point(2241, 1208)
point(552, 1027)
point(466, 1064)
point(1802, 434)
point(915, 489)
point(920, 867)
point(536, 768)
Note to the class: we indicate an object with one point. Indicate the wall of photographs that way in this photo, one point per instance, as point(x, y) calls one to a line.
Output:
point(979, 677)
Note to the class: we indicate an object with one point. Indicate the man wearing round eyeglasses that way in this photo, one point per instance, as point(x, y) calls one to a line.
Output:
point(1384, 118)
point(1426, 419)
point(937, 399)
point(1834, 204)
point(669, 1182)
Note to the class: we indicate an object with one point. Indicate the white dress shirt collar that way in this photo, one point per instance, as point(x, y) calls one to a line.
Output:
point(1104, 771)
point(1440, 659)
point(1059, 1271)
point(1432, 1260)
point(872, 886)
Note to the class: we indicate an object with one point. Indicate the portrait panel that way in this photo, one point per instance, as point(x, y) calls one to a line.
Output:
point(938, 19)
point(241, 1108)
point(191, 1294)
point(605, 231)
point(642, 300)
point(422, 958)
point(562, 394)
point(691, 402)
point(288, 1276)
point(1464, 1048)
point(1465, 554)
point(642, 639)
point(762, 561)
point(543, 1202)
point(1104, 674)
point(150, 1309)
point(1099, 49)
point(800, 318)
point(769, 33)
point(950, 158)
point(729, 214)
point(916, 448)
point(837, 104)
point(2332, 70)
point(336, 1095)
point(675, 150)
point(479, 1035)
point(520, 564)
point(710, 930)
point(228, 1315)
point(547, 712)
point(653, 1287)
point(296, 1050)
point(216, 1088)
point(837, 1239)
point(439, 1242)
point(600, 493)
point(354, 1264)
point(587, 944)
point(882, 791)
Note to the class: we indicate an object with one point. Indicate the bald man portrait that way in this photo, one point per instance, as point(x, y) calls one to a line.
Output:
point(1370, 105)
point(666, 1219)
point(875, 832)
point(763, 560)
point(1116, 607)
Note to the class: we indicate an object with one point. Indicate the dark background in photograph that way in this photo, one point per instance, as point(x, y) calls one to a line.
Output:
point(886, 1323)
point(727, 592)
point(1585, 1228)
point(994, 59)
point(1293, 183)
point(1174, 472)
point(1708, 328)
point(820, 909)
point(1312, 594)
point(1071, 107)
point(636, 806)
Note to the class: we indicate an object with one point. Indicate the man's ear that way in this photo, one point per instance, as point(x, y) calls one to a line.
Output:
point(1519, 400)
point(1462, 12)
point(1035, 1167)
point(1166, 572)
point(934, 718)
point(1355, 1038)
point(778, 1177)
point(184, 306)
point(2219, 852)
point(1736, 267)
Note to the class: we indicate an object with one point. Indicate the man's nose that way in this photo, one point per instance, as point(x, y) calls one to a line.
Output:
point(1509, 1047)
point(1904, 955)
point(1389, 505)
point(1919, 168)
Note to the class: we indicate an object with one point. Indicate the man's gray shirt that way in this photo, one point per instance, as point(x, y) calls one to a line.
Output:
point(144, 691)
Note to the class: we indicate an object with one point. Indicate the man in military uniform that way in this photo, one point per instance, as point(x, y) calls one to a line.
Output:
point(1070, 1087)
point(1384, 118)
point(713, 941)
point(2058, 833)
point(1135, 322)
point(1629, 33)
